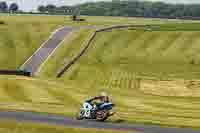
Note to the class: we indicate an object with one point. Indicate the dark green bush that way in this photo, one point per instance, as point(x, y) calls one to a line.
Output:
point(2, 22)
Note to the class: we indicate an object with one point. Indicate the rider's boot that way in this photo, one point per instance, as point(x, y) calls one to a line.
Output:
point(111, 113)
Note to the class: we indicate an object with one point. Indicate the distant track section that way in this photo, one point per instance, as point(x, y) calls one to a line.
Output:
point(47, 48)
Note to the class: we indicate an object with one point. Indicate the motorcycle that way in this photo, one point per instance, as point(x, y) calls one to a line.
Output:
point(97, 112)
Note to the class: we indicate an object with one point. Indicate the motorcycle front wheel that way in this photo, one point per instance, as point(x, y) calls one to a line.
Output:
point(80, 115)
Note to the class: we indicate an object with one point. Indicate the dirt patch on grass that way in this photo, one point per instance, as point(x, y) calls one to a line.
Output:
point(180, 88)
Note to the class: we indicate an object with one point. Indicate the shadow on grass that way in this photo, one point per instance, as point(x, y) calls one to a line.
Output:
point(117, 121)
point(2, 22)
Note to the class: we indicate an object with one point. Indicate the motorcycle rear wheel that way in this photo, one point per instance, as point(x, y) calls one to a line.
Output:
point(102, 115)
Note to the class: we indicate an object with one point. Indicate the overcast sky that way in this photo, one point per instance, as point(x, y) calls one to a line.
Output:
point(33, 4)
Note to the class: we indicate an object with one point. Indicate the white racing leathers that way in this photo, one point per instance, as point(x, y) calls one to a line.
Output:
point(87, 107)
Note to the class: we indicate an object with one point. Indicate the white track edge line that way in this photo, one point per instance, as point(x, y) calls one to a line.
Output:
point(43, 63)
point(52, 34)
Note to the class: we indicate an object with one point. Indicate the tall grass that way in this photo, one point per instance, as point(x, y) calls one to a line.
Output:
point(145, 104)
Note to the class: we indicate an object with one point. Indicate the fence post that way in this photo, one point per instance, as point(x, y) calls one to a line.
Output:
point(137, 83)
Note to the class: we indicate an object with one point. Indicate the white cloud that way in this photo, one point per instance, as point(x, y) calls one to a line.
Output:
point(179, 1)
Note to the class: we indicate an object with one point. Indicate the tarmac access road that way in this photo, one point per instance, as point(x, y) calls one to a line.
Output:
point(47, 48)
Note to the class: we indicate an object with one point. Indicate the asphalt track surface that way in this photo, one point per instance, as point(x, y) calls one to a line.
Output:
point(70, 122)
point(47, 48)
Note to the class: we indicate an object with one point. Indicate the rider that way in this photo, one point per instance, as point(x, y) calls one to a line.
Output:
point(89, 105)
point(103, 98)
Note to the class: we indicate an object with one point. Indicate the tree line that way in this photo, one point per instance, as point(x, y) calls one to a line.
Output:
point(53, 9)
point(128, 9)
point(5, 8)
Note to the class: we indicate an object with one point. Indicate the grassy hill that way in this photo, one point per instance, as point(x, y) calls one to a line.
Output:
point(170, 51)
point(127, 63)
point(21, 35)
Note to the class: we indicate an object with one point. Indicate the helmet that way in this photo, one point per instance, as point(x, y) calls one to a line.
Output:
point(104, 94)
